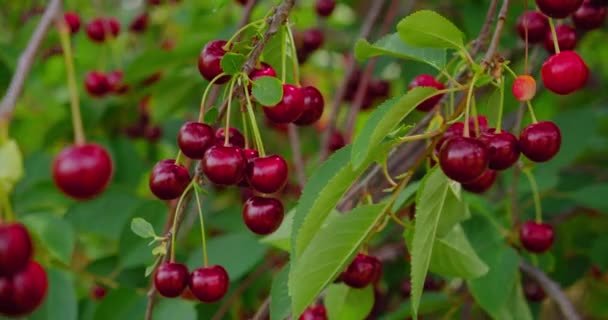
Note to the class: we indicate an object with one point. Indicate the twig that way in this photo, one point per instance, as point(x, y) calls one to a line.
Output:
point(485, 29)
point(26, 60)
point(263, 311)
point(552, 289)
point(502, 16)
point(366, 29)
point(296, 152)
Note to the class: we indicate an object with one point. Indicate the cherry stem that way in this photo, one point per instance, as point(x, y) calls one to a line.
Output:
point(422, 136)
point(200, 216)
point(531, 110)
point(201, 113)
point(554, 35)
point(294, 55)
point(535, 195)
point(10, 216)
point(178, 208)
point(64, 35)
point(261, 22)
point(179, 158)
point(475, 119)
point(501, 89)
point(468, 107)
point(284, 60)
point(254, 125)
point(245, 128)
point(227, 130)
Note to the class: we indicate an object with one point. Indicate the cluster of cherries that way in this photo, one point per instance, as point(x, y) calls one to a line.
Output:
point(23, 282)
point(143, 127)
point(208, 284)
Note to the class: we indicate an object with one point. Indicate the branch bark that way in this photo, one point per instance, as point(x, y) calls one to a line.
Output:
point(502, 16)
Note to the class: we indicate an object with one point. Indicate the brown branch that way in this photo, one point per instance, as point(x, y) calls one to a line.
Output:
point(296, 152)
point(502, 16)
point(552, 289)
point(263, 311)
point(26, 60)
point(485, 28)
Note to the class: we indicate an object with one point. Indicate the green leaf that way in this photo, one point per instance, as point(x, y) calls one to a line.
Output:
point(268, 91)
point(142, 228)
point(281, 237)
point(453, 256)
point(516, 306)
point(429, 29)
point(345, 303)
point(592, 196)
point(121, 304)
point(393, 46)
point(406, 195)
point(211, 115)
point(429, 303)
point(61, 301)
point(280, 302)
point(55, 234)
point(11, 166)
point(385, 119)
point(232, 63)
point(329, 252)
point(175, 309)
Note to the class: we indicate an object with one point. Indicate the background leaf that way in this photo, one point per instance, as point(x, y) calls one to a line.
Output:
point(55, 234)
point(392, 45)
point(453, 256)
point(345, 303)
point(142, 228)
point(429, 29)
point(280, 301)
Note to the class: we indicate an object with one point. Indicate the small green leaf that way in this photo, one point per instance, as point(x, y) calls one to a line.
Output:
point(268, 91)
point(453, 256)
point(142, 228)
point(592, 196)
point(232, 63)
point(345, 303)
point(393, 46)
point(280, 302)
point(160, 250)
point(428, 29)
point(175, 309)
point(430, 302)
point(55, 234)
point(11, 166)
point(211, 115)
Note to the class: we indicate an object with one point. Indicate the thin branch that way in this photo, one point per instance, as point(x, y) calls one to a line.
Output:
point(552, 289)
point(263, 311)
point(502, 16)
point(296, 152)
point(485, 29)
point(26, 60)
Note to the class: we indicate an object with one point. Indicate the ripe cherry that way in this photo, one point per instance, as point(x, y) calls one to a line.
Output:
point(317, 312)
point(290, 108)
point(589, 15)
point(536, 237)
point(263, 216)
point(457, 130)
point(171, 279)
point(168, 180)
point(336, 141)
point(264, 70)
point(566, 38)
point(313, 106)
point(235, 137)
point(564, 72)
point(558, 9)
point(209, 61)
point(96, 84)
point(503, 149)
point(72, 19)
point(481, 184)
point(524, 88)
point(537, 23)
point(325, 8)
point(82, 171)
point(194, 138)
point(113, 26)
point(427, 80)
point(23, 292)
point(153, 133)
point(98, 292)
point(140, 23)
point(115, 82)
point(463, 159)
point(533, 291)
point(209, 284)
point(96, 30)
point(250, 154)
point(15, 248)
point(360, 273)
point(312, 39)
point(268, 174)
point(540, 141)
point(224, 165)
point(379, 88)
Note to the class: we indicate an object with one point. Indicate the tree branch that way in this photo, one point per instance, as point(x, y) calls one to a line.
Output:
point(502, 16)
point(485, 28)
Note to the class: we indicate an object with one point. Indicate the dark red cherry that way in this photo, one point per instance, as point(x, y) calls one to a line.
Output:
point(290, 108)
point(98, 292)
point(313, 106)
point(540, 141)
point(209, 61)
point(15, 248)
point(537, 24)
point(463, 159)
point(263, 215)
point(312, 39)
point(242, 2)
point(481, 184)
point(503, 148)
point(72, 19)
point(566, 38)
point(454, 130)
point(96, 84)
point(153, 133)
point(360, 273)
point(23, 292)
point(268, 174)
point(564, 72)
point(427, 80)
point(250, 154)
point(115, 81)
point(194, 138)
point(536, 237)
point(82, 171)
point(96, 30)
point(481, 122)
point(324, 8)
point(168, 180)
point(433, 283)
point(379, 88)
point(589, 15)
point(224, 165)
point(336, 141)
point(558, 9)
point(265, 70)
point(533, 291)
point(140, 23)
point(235, 137)
point(317, 312)
point(112, 26)
point(171, 279)
point(209, 284)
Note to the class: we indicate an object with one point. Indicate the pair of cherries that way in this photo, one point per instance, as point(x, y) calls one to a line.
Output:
point(23, 282)
point(362, 271)
point(208, 284)
point(102, 29)
point(99, 84)
point(377, 89)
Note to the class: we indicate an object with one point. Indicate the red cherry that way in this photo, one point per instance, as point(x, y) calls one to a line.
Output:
point(209, 61)
point(263, 216)
point(457, 130)
point(533, 291)
point(242, 2)
point(314, 313)
point(589, 15)
point(463, 159)
point(540, 141)
point(564, 72)
point(524, 88)
point(24, 292)
point(265, 70)
point(15, 248)
point(96, 84)
point(290, 108)
point(536, 237)
point(481, 184)
point(224, 165)
point(313, 106)
point(325, 8)
point(379, 88)
point(235, 137)
point(336, 141)
point(503, 148)
point(558, 9)
point(537, 23)
point(72, 19)
point(433, 284)
point(427, 80)
point(250, 154)
point(312, 39)
point(194, 138)
point(140, 23)
point(360, 272)
point(168, 180)
point(98, 292)
point(268, 174)
point(171, 279)
point(82, 171)
point(566, 38)
point(209, 284)
point(113, 26)
point(96, 30)
point(153, 133)
point(116, 83)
